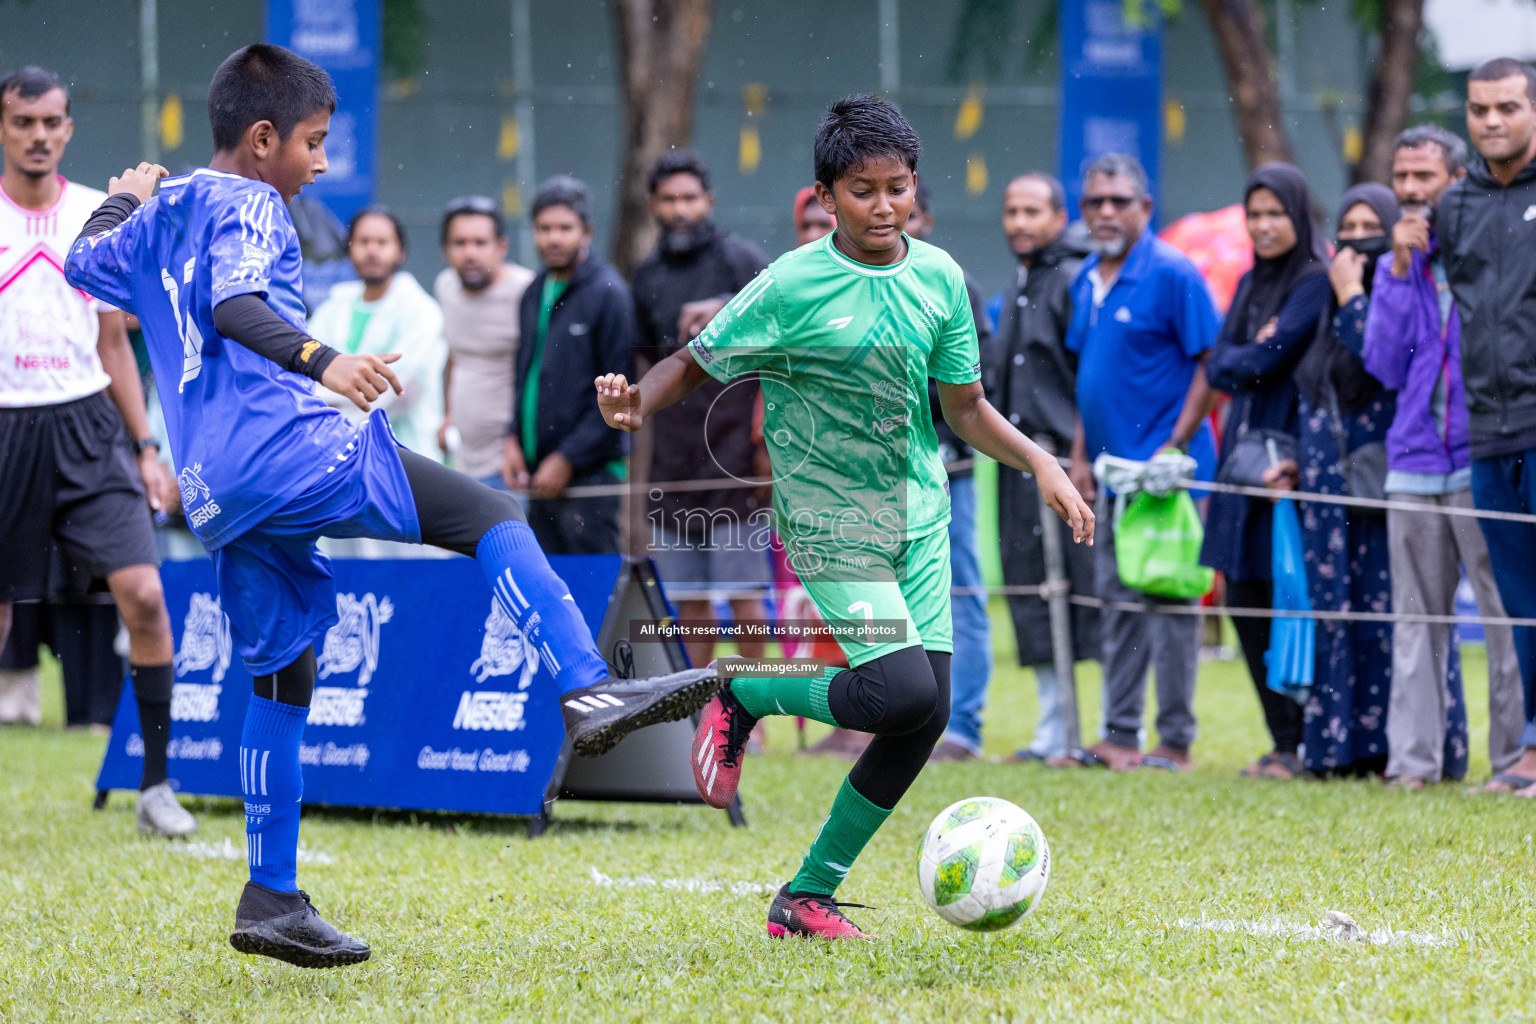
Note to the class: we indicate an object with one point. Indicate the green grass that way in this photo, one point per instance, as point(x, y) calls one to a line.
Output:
point(470, 921)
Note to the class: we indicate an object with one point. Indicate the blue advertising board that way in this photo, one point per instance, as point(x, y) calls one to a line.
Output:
point(1111, 89)
point(344, 38)
point(428, 698)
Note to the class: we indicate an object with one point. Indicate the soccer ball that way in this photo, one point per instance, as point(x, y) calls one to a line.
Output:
point(983, 864)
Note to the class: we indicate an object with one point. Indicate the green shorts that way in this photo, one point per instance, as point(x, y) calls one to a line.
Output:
point(909, 586)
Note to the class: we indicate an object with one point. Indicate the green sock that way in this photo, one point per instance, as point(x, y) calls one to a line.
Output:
point(762, 696)
point(850, 826)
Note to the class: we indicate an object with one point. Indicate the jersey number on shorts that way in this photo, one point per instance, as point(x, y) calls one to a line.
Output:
point(191, 339)
point(869, 618)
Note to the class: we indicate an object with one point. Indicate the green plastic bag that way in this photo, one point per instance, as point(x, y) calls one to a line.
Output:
point(1157, 545)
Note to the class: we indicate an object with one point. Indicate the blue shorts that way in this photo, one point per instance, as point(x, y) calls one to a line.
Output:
point(276, 586)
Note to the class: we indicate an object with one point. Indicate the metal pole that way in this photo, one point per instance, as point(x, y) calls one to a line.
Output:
point(890, 48)
point(522, 83)
point(149, 80)
point(1058, 599)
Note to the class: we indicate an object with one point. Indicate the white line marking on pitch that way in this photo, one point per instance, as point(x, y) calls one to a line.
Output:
point(680, 884)
point(1334, 927)
point(226, 850)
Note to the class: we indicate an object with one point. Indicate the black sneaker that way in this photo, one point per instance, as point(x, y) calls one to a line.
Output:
point(598, 717)
point(287, 927)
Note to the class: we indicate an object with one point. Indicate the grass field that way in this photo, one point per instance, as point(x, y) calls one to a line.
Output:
point(1173, 897)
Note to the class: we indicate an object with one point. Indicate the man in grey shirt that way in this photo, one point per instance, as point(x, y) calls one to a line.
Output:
point(480, 292)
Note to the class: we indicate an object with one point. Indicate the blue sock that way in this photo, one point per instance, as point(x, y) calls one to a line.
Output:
point(541, 604)
point(273, 783)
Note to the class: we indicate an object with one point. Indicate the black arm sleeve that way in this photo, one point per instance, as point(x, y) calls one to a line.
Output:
point(109, 214)
point(250, 321)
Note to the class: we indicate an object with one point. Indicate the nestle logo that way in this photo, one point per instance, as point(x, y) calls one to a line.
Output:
point(195, 702)
point(36, 362)
point(490, 710)
point(201, 516)
point(337, 705)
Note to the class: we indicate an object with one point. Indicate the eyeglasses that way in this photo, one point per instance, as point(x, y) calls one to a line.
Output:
point(1118, 202)
point(472, 204)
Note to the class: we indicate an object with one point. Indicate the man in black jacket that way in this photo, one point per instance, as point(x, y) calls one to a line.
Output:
point(577, 323)
point(1486, 225)
point(1032, 379)
point(706, 544)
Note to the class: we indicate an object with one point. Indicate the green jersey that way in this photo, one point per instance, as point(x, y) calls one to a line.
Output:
point(843, 352)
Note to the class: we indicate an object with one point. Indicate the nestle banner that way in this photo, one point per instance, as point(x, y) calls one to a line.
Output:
point(344, 38)
point(1111, 89)
point(428, 698)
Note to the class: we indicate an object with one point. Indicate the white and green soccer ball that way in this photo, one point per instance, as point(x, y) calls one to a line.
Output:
point(983, 864)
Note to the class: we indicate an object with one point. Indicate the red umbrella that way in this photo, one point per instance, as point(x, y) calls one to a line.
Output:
point(1217, 242)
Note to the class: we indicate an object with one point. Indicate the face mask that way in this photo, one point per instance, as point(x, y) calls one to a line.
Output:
point(1375, 245)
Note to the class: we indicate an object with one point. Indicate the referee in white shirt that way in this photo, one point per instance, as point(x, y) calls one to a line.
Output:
point(68, 386)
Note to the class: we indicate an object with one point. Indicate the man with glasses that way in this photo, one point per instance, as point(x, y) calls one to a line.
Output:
point(1142, 322)
point(480, 293)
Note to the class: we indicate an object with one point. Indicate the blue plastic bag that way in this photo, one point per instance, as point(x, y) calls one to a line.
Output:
point(1292, 640)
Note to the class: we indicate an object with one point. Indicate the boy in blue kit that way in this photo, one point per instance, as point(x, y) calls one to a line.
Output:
point(211, 268)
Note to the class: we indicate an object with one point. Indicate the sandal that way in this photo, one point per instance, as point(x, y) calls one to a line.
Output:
point(1503, 782)
point(1274, 766)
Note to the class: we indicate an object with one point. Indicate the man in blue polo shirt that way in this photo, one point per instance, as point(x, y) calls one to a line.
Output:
point(1142, 322)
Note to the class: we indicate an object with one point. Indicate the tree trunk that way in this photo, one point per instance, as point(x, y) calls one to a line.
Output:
point(1238, 26)
point(1391, 86)
point(661, 43)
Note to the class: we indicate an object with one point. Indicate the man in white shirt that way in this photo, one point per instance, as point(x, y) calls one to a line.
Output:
point(386, 310)
point(480, 292)
point(68, 386)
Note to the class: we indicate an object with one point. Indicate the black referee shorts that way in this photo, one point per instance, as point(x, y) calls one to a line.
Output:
point(66, 477)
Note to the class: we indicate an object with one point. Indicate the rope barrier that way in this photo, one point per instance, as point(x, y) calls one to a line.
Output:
point(656, 488)
point(1063, 589)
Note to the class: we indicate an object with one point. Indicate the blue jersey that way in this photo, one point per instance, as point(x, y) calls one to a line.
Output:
point(246, 434)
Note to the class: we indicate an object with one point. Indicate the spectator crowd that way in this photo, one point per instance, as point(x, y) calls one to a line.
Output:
point(1385, 355)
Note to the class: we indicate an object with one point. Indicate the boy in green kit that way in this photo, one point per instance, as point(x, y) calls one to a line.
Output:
point(843, 334)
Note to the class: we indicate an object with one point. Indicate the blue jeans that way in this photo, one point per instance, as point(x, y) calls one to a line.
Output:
point(1051, 730)
point(971, 667)
point(1508, 484)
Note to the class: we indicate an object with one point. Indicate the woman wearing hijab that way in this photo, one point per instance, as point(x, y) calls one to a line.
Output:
point(1272, 321)
point(1343, 410)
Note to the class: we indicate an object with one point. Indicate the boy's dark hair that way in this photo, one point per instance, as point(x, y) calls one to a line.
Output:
point(377, 211)
point(473, 206)
point(1505, 67)
point(858, 128)
point(563, 190)
point(30, 82)
point(680, 161)
point(920, 196)
point(262, 82)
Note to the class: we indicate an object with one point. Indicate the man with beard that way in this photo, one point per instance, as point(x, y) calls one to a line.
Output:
point(386, 310)
point(1031, 378)
point(1142, 322)
point(1486, 227)
point(707, 544)
point(1412, 345)
point(479, 292)
point(577, 323)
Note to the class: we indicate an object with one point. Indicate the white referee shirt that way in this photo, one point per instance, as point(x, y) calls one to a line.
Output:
point(48, 330)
